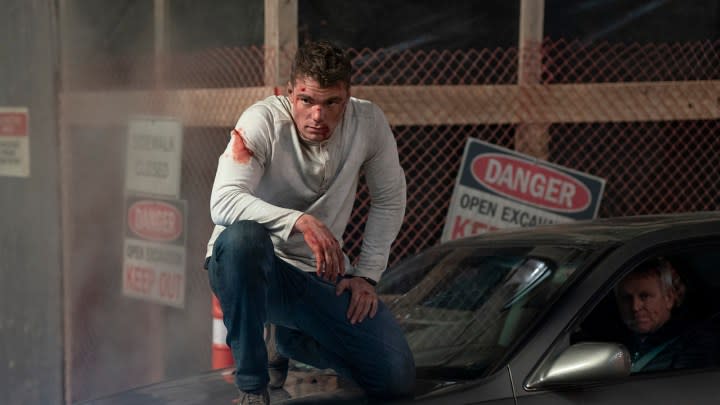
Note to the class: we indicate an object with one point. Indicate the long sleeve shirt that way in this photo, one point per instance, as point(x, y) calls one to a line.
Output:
point(287, 176)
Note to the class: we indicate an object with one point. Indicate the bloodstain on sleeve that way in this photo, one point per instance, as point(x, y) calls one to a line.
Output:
point(238, 150)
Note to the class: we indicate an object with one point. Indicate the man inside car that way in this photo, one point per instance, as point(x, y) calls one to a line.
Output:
point(659, 336)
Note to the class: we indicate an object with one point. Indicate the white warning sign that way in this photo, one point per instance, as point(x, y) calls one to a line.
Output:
point(154, 153)
point(498, 188)
point(154, 250)
point(14, 142)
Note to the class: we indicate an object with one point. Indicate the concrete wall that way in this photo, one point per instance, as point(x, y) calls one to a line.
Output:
point(31, 355)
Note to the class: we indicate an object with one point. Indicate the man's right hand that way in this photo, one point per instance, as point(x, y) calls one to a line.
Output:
point(329, 258)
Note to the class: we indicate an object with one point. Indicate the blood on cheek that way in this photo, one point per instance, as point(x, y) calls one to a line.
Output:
point(240, 152)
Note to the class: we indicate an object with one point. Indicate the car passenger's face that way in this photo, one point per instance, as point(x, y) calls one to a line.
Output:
point(317, 110)
point(643, 305)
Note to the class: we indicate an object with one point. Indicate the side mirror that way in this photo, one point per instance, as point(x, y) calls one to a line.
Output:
point(584, 362)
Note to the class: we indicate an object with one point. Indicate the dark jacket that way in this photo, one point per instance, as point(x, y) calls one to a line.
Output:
point(677, 345)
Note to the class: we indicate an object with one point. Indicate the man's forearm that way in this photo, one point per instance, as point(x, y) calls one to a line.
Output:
point(232, 200)
point(383, 224)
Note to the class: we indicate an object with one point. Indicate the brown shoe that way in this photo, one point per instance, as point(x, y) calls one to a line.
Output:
point(277, 364)
point(247, 398)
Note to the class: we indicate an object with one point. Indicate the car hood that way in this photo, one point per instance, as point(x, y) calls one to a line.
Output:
point(309, 386)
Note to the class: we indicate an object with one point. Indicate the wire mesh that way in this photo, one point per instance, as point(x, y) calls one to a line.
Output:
point(652, 163)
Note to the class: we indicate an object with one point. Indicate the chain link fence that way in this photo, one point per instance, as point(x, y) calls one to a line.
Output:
point(643, 117)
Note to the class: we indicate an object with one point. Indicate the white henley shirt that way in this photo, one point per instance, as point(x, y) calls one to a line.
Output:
point(288, 176)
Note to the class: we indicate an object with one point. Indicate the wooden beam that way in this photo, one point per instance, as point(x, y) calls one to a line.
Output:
point(531, 138)
point(532, 16)
point(194, 107)
point(425, 105)
point(439, 105)
point(618, 102)
point(546, 104)
point(281, 40)
point(159, 30)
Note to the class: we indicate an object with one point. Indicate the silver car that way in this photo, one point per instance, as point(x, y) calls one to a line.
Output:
point(530, 316)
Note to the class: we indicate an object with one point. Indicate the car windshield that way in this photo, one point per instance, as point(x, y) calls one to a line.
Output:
point(464, 308)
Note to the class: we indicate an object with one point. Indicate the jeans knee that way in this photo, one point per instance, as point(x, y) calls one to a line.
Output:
point(242, 238)
point(243, 235)
point(242, 250)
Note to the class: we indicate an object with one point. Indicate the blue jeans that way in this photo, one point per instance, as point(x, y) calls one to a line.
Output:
point(254, 286)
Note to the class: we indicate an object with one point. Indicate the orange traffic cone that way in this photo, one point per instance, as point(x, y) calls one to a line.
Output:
point(221, 355)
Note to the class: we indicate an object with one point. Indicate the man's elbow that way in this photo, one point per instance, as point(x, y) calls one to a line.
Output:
point(217, 218)
point(393, 195)
point(219, 211)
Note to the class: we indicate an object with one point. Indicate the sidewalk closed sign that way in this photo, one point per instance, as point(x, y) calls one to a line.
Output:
point(154, 251)
point(14, 142)
point(154, 152)
point(499, 188)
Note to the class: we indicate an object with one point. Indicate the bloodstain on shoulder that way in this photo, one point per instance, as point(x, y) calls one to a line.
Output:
point(238, 149)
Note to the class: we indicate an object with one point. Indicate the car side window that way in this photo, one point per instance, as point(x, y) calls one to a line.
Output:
point(665, 311)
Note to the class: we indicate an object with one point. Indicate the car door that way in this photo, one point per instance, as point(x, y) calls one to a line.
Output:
point(698, 259)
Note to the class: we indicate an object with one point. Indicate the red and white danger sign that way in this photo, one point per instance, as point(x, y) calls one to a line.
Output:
point(154, 251)
point(499, 188)
point(14, 143)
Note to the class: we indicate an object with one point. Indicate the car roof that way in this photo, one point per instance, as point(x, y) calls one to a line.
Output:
point(598, 231)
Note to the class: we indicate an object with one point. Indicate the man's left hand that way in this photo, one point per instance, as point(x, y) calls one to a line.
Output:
point(363, 299)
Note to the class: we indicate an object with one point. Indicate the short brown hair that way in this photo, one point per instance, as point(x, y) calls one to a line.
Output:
point(322, 61)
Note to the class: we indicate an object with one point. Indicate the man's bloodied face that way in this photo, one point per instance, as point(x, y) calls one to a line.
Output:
point(317, 110)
